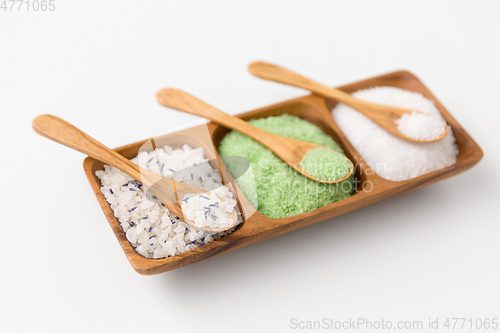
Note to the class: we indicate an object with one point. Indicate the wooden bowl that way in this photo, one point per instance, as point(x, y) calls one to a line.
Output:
point(258, 227)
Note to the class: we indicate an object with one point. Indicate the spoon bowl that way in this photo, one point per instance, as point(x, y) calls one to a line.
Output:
point(383, 115)
point(168, 191)
point(291, 151)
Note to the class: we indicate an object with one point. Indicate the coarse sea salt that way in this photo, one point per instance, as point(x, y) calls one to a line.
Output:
point(389, 156)
point(208, 210)
point(149, 226)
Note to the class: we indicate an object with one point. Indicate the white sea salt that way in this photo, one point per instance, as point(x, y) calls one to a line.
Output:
point(390, 157)
point(149, 226)
point(208, 210)
point(421, 126)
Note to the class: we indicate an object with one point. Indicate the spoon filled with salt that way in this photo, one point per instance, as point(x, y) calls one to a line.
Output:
point(311, 160)
point(180, 198)
point(411, 125)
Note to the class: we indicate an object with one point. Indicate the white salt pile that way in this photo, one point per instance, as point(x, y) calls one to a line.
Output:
point(208, 210)
point(389, 156)
point(149, 226)
point(421, 126)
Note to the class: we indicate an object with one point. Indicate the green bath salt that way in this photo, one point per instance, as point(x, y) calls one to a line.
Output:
point(274, 188)
point(325, 164)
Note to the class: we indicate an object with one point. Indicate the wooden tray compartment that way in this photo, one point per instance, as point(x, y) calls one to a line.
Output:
point(257, 227)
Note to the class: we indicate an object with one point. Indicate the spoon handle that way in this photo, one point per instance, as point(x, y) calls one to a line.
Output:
point(282, 75)
point(182, 101)
point(166, 190)
point(60, 131)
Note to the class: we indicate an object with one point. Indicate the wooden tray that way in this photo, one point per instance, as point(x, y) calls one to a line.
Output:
point(257, 227)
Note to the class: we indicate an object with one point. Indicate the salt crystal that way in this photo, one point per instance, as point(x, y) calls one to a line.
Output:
point(143, 237)
point(131, 235)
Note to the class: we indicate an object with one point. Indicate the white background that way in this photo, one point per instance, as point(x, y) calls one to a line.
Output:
point(433, 253)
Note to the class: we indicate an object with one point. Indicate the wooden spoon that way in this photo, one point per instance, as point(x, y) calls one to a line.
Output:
point(289, 150)
point(166, 190)
point(382, 115)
